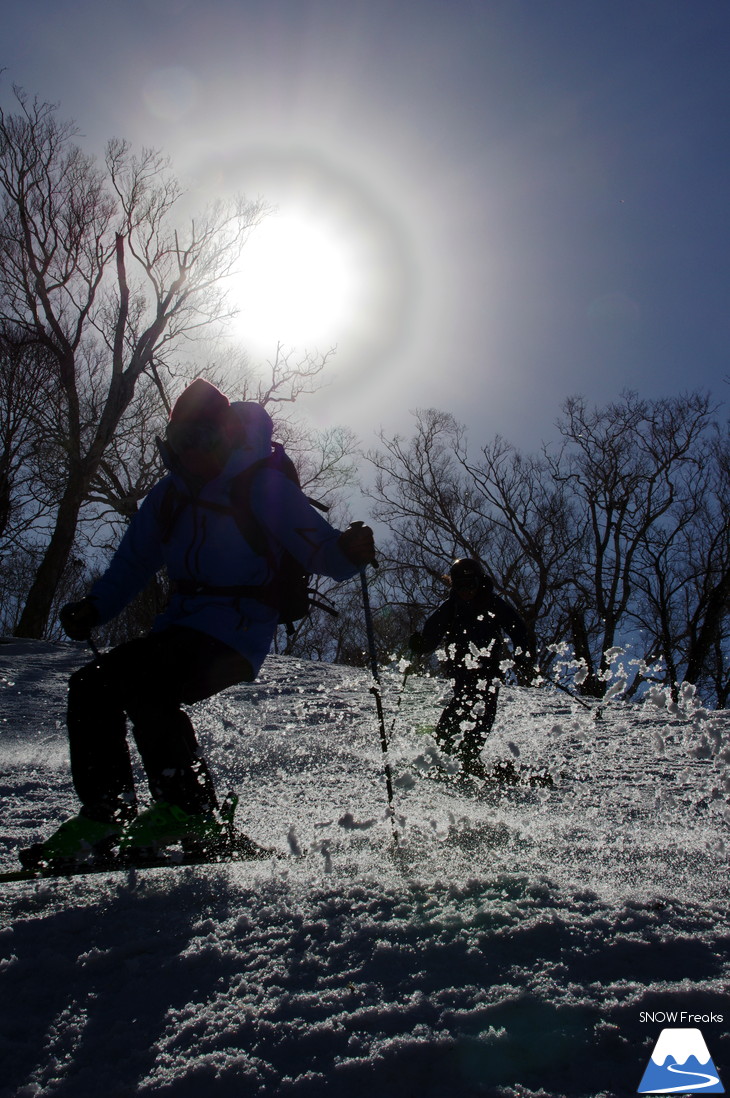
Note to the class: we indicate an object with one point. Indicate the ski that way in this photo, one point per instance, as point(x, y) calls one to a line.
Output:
point(502, 775)
point(242, 850)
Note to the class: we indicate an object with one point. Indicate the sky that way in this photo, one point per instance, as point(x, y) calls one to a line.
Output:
point(487, 206)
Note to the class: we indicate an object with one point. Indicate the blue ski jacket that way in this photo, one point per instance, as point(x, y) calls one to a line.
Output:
point(205, 546)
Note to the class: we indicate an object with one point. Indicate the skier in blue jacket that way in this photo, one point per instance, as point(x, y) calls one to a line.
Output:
point(216, 630)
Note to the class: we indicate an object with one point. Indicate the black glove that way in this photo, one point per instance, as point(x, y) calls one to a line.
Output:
point(358, 544)
point(79, 618)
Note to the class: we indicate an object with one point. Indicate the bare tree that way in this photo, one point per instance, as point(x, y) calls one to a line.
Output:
point(422, 494)
point(25, 376)
point(288, 376)
point(683, 580)
point(627, 467)
point(504, 509)
point(618, 535)
point(708, 651)
point(535, 533)
point(95, 272)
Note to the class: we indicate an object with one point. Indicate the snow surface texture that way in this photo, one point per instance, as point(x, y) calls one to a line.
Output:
point(509, 950)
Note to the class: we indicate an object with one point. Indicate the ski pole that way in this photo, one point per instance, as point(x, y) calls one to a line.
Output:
point(375, 691)
point(407, 673)
point(411, 669)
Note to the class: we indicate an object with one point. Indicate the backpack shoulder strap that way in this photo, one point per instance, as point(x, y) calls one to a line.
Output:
point(172, 504)
point(174, 501)
point(246, 521)
point(248, 524)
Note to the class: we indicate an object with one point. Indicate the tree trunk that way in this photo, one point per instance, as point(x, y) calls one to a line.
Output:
point(717, 608)
point(591, 687)
point(4, 497)
point(37, 609)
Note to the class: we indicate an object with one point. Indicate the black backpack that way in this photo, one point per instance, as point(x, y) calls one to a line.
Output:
point(289, 590)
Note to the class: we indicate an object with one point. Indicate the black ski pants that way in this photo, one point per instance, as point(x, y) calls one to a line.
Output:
point(467, 720)
point(146, 680)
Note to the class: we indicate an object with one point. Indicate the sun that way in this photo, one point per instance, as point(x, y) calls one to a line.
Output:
point(297, 284)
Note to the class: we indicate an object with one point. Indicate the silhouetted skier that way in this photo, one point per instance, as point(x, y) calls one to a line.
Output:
point(469, 626)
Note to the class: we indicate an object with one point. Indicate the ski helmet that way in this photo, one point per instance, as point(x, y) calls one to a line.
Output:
point(466, 572)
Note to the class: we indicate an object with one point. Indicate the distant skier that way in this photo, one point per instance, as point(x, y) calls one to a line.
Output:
point(216, 630)
point(469, 627)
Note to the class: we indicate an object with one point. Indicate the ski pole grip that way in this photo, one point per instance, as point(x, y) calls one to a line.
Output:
point(359, 522)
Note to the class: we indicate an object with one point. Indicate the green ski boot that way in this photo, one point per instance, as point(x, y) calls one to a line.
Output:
point(164, 824)
point(77, 841)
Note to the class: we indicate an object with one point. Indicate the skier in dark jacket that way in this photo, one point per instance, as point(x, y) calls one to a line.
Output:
point(216, 630)
point(469, 628)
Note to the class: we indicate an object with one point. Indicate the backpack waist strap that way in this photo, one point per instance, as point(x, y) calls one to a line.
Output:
point(190, 588)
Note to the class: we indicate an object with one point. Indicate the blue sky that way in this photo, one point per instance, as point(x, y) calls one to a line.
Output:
point(497, 203)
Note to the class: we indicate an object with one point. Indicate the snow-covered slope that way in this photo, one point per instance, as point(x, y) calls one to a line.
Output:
point(513, 947)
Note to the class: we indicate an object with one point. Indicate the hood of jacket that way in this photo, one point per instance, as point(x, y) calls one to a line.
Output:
point(251, 431)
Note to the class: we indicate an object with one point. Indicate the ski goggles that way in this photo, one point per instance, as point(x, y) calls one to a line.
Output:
point(199, 435)
point(466, 581)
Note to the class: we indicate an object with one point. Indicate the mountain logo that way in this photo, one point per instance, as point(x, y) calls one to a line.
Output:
point(680, 1064)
